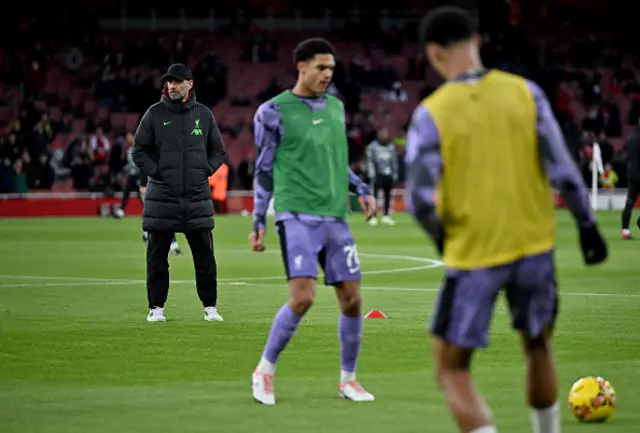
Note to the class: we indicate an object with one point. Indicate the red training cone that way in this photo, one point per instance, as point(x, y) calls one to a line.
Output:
point(375, 314)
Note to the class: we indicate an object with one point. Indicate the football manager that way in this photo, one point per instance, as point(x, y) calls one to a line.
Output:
point(178, 146)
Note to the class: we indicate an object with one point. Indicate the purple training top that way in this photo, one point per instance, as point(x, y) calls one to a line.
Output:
point(269, 130)
point(423, 155)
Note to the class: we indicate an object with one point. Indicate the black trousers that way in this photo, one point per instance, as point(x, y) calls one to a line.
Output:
point(633, 190)
point(204, 262)
point(384, 183)
point(132, 185)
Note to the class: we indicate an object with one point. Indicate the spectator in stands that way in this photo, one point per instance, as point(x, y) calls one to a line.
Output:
point(94, 122)
point(606, 149)
point(612, 123)
point(45, 127)
point(16, 130)
point(593, 121)
point(591, 87)
point(60, 171)
point(6, 176)
point(14, 148)
point(40, 175)
point(65, 124)
point(82, 166)
point(397, 93)
point(615, 87)
point(118, 155)
point(19, 178)
point(38, 140)
point(100, 146)
point(127, 76)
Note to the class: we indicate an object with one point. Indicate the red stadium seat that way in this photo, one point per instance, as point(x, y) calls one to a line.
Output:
point(131, 122)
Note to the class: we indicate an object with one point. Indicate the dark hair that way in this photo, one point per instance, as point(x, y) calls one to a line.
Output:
point(447, 25)
point(309, 48)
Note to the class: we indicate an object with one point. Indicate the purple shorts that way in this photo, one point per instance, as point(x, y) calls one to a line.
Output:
point(305, 244)
point(465, 304)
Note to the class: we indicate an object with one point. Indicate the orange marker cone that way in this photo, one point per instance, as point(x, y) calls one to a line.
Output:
point(375, 314)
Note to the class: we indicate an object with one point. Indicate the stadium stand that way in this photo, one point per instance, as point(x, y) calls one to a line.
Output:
point(65, 108)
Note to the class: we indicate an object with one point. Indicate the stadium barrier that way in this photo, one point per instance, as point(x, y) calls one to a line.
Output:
point(59, 204)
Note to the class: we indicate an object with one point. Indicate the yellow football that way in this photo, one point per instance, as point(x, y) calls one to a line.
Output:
point(592, 399)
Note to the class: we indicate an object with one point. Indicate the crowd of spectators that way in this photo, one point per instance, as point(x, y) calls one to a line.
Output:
point(587, 101)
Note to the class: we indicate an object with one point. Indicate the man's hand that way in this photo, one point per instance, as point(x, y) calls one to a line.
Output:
point(256, 240)
point(594, 248)
point(368, 206)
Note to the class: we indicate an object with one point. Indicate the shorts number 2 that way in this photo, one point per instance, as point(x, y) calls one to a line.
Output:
point(353, 261)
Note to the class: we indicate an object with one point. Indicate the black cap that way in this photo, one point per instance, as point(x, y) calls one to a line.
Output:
point(177, 71)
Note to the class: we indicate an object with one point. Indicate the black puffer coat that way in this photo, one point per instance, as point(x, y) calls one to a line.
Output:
point(178, 146)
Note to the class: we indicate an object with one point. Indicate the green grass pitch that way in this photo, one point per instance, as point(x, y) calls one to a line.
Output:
point(76, 354)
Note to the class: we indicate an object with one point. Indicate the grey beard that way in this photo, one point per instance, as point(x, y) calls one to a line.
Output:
point(175, 97)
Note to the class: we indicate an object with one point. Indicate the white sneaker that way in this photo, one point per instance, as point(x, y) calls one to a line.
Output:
point(352, 390)
point(174, 249)
point(373, 221)
point(119, 213)
point(388, 220)
point(156, 315)
point(262, 384)
point(211, 315)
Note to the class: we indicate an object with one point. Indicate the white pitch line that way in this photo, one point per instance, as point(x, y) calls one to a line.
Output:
point(41, 277)
point(426, 289)
point(72, 284)
point(250, 284)
point(428, 264)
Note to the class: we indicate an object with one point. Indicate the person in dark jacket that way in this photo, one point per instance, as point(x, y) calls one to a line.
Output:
point(178, 146)
point(633, 180)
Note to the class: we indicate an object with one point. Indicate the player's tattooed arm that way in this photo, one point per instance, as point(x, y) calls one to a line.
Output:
point(268, 131)
point(423, 170)
point(557, 161)
point(357, 186)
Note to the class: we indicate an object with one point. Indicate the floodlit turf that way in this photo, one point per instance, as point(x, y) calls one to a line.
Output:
point(76, 354)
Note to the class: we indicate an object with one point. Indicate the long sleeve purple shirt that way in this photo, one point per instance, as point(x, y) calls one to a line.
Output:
point(269, 131)
point(424, 165)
